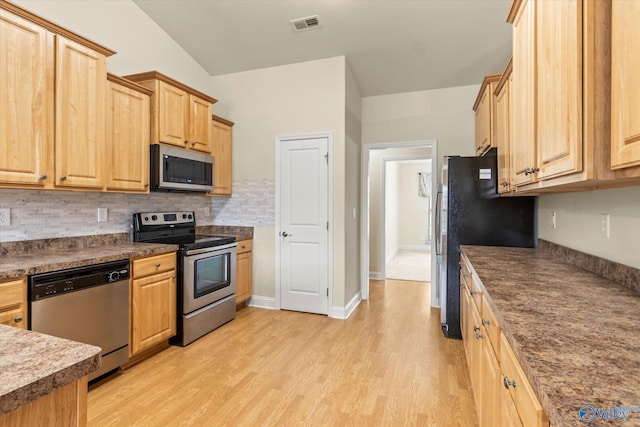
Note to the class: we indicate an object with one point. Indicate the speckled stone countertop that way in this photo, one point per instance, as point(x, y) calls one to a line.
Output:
point(41, 256)
point(34, 364)
point(575, 334)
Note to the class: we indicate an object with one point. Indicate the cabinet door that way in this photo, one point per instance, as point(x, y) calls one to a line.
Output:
point(559, 87)
point(508, 413)
point(483, 122)
point(625, 85)
point(13, 302)
point(243, 276)
point(475, 351)
point(27, 111)
point(128, 139)
point(153, 310)
point(199, 122)
point(502, 138)
point(464, 321)
point(81, 81)
point(173, 115)
point(490, 384)
point(221, 137)
point(523, 94)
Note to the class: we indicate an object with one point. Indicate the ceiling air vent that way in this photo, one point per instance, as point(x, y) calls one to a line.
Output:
point(307, 23)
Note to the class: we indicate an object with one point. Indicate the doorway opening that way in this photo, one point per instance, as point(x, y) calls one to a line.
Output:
point(407, 219)
point(378, 246)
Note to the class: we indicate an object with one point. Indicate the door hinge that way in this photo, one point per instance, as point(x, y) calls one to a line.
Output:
point(326, 158)
point(327, 225)
point(327, 291)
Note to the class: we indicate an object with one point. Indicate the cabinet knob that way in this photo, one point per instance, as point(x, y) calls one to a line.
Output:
point(186, 142)
point(478, 336)
point(508, 383)
point(157, 264)
point(18, 319)
point(474, 293)
point(534, 170)
point(43, 176)
point(193, 143)
point(476, 328)
point(146, 184)
point(527, 171)
point(173, 277)
point(63, 178)
point(485, 322)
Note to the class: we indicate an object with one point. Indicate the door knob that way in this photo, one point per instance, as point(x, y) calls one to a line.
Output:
point(285, 234)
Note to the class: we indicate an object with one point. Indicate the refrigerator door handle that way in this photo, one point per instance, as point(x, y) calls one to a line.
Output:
point(438, 219)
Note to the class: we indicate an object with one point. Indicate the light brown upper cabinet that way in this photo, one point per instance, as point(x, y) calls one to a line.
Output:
point(52, 96)
point(485, 109)
point(221, 148)
point(180, 115)
point(128, 135)
point(502, 135)
point(561, 96)
point(80, 141)
point(625, 87)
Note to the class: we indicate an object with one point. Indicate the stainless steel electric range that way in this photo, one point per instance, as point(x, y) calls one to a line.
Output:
point(206, 271)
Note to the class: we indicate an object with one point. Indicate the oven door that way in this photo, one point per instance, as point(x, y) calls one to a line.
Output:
point(209, 275)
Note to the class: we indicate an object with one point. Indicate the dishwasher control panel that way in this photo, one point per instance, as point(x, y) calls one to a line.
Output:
point(63, 281)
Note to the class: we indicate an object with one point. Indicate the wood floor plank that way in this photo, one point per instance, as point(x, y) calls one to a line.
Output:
point(388, 364)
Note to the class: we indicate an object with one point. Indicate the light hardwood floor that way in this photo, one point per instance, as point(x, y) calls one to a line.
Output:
point(387, 365)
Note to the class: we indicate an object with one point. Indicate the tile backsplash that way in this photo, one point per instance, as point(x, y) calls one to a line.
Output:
point(39, 214)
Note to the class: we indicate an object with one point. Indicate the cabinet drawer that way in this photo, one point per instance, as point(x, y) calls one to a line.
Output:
point(476, 293)
point(491, 327)
point(12, 294)
point(465, 272)
point(14, 317)
point(525, 400)
point(245, 246)
point(156, 264)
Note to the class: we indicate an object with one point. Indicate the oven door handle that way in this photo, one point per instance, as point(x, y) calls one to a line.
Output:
point(210, 250)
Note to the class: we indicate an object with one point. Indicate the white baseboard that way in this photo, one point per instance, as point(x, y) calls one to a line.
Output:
point(344, 312)
point(262, 302)
point(424, 248)
point(376, 275)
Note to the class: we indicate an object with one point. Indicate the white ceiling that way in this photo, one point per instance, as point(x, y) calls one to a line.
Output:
point(392, 46)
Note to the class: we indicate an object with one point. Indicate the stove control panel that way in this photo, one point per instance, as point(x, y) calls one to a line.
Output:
point(166, 218)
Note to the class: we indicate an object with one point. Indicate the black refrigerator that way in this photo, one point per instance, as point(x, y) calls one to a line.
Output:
point(469, 211)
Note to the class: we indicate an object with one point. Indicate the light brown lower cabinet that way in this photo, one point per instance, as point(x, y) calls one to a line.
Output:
point(244, 272)
point(13, 302)
point(153, 301)
point(502, 393)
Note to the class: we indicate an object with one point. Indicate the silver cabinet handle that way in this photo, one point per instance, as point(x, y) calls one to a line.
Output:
point(474, 292)
point(508, 383)
point(534, 170)
point(485, 322)
point(43, 176)
point(63, 178)
point(476, 328)
point(478, 336)
point(146, 184)
point(157, 264)
point(193, 143)
point(18, 319)
point(173, 277)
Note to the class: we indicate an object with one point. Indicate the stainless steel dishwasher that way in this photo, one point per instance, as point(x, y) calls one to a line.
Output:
point(86, 304)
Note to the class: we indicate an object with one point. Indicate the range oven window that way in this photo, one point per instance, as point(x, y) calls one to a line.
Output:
point(187, 171)
point(211, 274)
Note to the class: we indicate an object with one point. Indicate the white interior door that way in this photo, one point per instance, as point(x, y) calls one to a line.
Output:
point(303, 228)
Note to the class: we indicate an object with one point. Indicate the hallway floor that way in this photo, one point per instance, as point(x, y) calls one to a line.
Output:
point(410, 265)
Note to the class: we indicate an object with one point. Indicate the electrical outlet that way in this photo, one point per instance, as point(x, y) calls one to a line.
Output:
point(207, 211)
point(103, 214)
point(5, 217)
point(605, 226)
point(554, 223)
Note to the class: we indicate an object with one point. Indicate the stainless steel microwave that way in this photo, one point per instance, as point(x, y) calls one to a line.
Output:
point(177, 169)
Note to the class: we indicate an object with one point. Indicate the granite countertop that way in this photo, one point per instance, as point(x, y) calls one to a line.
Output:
point(576, 334)
point(239, 232)
point(42, 260)
point(34, 364)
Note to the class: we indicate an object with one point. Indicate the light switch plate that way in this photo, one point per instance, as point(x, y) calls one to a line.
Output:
point(102, 214)
point(5, 217)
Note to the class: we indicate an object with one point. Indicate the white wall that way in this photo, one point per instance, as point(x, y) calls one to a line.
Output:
point(391, 209)
point(141, 45)
point(414, 209)
point(578, 217)
point(293, 99)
